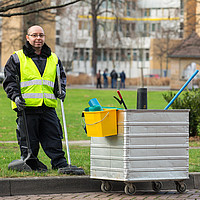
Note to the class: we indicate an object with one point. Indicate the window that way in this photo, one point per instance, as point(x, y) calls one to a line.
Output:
point(181, 26)
point(117, 55)
point(133, 26)
point(80, 25)
point(141, 54)
point(128, 6)
point(153, 27)
point(134, 56)
point(99, 55)
point(146, 29)
point(133, 5)
point(128, 54)
point(128, 34)
point(57, 32)
point(147, 56)
point(87, 54)
point(111, 56)
point(83, 25)
point(76, 54)
point(104, 55)
point(158, 27)
point(58, 41)
point(147, 12)
point(81, 54)
point(182, 6)
point(122, 55)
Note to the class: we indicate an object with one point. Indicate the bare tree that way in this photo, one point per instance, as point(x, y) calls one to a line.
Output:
point(9, 5)
point(97, 10)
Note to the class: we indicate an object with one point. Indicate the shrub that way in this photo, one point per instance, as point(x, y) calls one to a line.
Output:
point(189, 100)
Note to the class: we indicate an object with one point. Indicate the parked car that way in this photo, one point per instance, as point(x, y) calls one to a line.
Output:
point(1, 77)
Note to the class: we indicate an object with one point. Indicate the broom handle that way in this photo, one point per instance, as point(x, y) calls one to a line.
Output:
point(63, 116)
point(179, 92)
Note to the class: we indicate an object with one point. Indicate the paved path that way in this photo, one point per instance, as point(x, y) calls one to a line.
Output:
point(79, 142)
point(169, 195)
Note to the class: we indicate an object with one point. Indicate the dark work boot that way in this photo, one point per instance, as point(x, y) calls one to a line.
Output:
point(70, 169)
point(36, 165)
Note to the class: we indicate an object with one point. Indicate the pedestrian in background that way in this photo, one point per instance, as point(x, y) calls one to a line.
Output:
point(114, 77)
point(99, 79)
point(105, 78)
point(123, 78)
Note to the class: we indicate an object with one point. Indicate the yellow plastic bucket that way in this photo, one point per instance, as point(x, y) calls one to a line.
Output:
point(101, 123)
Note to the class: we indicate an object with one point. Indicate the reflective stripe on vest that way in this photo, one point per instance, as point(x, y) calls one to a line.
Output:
point(37, 89)
point(37, 82)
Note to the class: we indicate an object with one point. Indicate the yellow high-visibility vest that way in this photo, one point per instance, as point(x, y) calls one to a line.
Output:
point(37, 89)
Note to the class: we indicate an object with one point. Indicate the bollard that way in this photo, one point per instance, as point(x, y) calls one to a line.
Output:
point(142, 98)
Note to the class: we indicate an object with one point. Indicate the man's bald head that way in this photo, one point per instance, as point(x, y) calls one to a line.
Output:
point(30, 29)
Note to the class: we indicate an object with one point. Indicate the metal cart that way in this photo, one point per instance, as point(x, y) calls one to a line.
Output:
point(151, 146)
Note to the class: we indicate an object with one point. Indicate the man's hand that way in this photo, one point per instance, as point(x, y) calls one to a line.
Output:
point(62, 95)
point(20, 102)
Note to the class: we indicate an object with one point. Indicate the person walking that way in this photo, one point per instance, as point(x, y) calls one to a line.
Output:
point(99, 79)
point(123, 78)
point(114, 77)
point(35, 65)
point(105, 78)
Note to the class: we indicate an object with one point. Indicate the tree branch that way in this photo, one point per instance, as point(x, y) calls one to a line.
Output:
point(99, 5)
point(18, 5)
point(38, 10)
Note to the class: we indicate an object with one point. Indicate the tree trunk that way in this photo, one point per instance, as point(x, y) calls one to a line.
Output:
point(94, 38)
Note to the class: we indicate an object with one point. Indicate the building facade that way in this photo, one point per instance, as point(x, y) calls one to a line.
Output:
point(125, 33)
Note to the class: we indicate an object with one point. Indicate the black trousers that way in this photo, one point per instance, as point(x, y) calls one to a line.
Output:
point(43, 128)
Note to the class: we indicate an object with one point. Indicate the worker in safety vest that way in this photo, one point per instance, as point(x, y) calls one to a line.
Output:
point(35, 65)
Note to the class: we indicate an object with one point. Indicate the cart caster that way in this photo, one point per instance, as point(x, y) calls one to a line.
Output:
point(130, 189)
point(106, 186)
point(156, 186)
point(181, 187)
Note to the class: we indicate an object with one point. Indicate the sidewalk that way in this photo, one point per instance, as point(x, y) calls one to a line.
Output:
point(117, 195)
point(79, 143)
point(93, 87)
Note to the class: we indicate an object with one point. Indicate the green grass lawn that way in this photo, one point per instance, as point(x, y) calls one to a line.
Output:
point(76, 101)
point(79, 155)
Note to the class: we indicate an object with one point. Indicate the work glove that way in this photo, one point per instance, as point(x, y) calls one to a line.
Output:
point(62, 95)
point(20, 102)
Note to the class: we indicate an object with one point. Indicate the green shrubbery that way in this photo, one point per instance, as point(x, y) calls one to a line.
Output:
point(188, 100)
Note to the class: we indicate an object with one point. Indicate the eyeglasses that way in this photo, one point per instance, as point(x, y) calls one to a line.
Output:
point(37, 35)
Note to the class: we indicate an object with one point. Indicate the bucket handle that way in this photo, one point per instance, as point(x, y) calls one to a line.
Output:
point(99, 121)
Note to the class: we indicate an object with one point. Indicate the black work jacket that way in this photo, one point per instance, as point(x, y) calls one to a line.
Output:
point(12, 68)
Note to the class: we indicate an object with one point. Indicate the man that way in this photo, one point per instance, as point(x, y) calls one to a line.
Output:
point(114, 77)
point(35, 65)
point(99, 79)
point(105, 78)
point(123, 78)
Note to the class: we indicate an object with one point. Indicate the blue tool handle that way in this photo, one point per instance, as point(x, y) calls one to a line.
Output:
point(181, 89)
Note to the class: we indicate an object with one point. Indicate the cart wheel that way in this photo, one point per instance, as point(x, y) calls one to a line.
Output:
point(130, 189)
point(156, 186)
point(181, 187)
point(106, 186)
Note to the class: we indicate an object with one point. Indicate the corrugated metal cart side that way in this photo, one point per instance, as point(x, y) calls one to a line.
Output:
point(151, 145)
